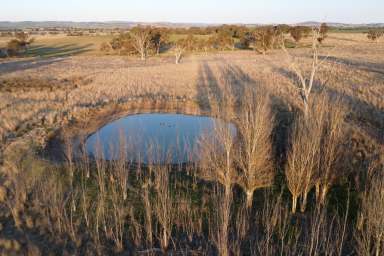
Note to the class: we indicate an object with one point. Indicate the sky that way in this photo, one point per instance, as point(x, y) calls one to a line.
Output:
point(196, 11)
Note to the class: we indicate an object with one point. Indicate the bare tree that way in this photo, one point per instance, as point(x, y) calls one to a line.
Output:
point(305, 84)
point(164, 205)
point(220, 220)
point(218, 151)
point(141, 40)
point(331, 144)
point(303, 158)
point(371, 237)
point(179, 48)
point(254, 156)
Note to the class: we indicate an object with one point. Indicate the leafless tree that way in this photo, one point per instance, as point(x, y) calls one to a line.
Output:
point(220, 220)
point(303, 158)
point(305, 83)
point(254, 156)
point(331, 144)
point(371, 236)
point(164, 205)
point(218, 149)
point(179, 49)
point(141, 40)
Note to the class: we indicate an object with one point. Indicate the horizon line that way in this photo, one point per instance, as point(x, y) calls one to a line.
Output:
point(192, 22)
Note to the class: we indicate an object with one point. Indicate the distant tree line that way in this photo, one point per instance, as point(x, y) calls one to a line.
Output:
point(145, 41)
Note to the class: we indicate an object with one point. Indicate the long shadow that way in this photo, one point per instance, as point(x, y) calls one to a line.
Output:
point(208, 88)
point(345, 39)
point(362, 65)
point(364, 114)
point(59, 51)
point(20, 65)
point(43, 56)
point(237, 82)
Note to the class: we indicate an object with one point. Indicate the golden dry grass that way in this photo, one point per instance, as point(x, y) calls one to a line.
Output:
point(354, 70)
point(41, 95)
point(63, 45)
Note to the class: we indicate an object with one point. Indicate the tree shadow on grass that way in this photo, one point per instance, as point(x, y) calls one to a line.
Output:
point(208, 88)
point(58, 51)
point(362, 65)
point(236, 82)
point(364, 114)
point(41, 56)
point(21, 65)
point(282, 111)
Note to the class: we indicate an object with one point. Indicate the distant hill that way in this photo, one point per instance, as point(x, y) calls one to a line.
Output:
point(129, 24)
point(342, 25)
point(108, 24)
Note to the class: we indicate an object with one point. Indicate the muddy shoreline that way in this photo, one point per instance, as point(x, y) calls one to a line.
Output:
point(87, 123)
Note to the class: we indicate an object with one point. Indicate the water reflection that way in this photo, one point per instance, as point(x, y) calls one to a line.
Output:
point(172, 138)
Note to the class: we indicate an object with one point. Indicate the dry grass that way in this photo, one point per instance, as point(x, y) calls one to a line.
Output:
point(108, 207)
point(353, 71)
point(62, 45)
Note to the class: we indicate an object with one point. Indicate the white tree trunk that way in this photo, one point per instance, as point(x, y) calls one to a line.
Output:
point(294, 204)
point(303, 205)
point(178, 58)
point(249, 198)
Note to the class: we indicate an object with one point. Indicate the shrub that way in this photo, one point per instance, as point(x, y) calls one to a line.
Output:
point(323, 32)
point(105, 47)
point(299, 32)
point(374, 35)
point(20, 44)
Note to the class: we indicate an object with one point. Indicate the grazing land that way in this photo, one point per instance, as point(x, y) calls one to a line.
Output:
point(297, 172)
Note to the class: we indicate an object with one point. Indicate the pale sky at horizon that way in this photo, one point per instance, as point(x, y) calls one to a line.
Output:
point(201, 11)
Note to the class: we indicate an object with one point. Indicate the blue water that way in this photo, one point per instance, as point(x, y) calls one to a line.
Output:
point(159, 138)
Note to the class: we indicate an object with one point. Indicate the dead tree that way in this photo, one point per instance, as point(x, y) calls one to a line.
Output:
point(255, 153)
point(164, 206)
point(305, 83)
point(179, 49)
point(371, 236)
point(220, 221)
point(218, 151)
point(141, 40)
point(331, 145)
point(303, 158)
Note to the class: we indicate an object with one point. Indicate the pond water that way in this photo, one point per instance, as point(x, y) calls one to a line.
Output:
point(153, 137)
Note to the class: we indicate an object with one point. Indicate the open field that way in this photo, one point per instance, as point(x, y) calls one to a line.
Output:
point(63, 45)
point(354, 69)
point(74, 90)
